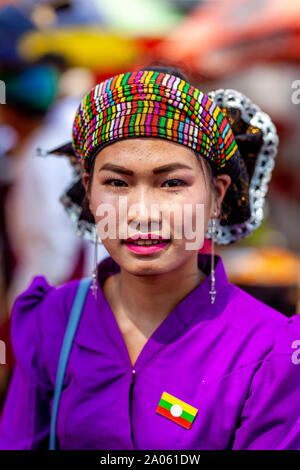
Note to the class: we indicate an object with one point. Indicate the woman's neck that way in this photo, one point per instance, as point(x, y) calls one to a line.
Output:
point(147, 300)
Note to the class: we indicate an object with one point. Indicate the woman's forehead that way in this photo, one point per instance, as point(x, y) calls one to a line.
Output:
point(149, 152)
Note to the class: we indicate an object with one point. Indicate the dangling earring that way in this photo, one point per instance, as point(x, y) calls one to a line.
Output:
point(94, 275)
point(212, 269)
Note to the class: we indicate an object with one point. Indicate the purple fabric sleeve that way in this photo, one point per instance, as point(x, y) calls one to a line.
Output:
point(25, 420)
point(270, 418)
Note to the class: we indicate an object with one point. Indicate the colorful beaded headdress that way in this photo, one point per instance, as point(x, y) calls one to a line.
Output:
point(223, 126)
point(153, 104)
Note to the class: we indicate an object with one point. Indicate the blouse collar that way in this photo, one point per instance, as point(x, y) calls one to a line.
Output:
point(198, 299)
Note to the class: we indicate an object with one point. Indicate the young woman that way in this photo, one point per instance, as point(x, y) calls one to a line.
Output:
point(167, 353)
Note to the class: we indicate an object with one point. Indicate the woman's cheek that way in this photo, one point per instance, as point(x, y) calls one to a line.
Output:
point(101, 201)
point(110, 218)
point(195, 213)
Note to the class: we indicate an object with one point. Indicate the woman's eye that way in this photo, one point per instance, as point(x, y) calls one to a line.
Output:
point(114, 180)
point(120, 183)
point(181, 182)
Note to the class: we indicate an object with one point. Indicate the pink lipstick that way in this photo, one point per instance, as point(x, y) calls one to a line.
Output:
point(158, 243)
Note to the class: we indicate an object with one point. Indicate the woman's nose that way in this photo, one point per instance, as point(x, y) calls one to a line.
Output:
point(144, 210)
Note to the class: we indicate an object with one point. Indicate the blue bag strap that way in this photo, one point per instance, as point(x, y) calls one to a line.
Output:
point(65, 352)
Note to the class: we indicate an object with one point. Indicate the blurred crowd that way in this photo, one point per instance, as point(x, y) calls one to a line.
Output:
point(53, 51)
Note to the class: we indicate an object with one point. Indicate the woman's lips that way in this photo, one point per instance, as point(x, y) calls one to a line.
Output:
point(146, 249)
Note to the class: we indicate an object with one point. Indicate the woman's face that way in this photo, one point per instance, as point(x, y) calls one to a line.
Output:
point(163, 191)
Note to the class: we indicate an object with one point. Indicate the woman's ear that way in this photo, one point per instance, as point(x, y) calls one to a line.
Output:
point(221, 184)
point(85, 180)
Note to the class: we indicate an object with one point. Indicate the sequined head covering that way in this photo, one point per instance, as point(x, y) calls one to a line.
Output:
point(230, 132)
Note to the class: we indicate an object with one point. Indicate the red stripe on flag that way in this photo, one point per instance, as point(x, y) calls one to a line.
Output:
point(183, 422)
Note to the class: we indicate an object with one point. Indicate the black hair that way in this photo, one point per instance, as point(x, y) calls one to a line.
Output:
point(170, 70)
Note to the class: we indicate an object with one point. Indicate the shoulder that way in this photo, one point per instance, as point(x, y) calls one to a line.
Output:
point(261, 324)
point(40, 296)
point(39, 317)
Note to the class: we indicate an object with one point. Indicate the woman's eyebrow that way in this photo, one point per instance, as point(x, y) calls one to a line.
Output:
point(156, 171)
point(170, 167)
point(116, 168)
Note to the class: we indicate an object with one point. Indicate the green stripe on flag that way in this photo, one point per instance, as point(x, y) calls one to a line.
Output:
point(184, 415)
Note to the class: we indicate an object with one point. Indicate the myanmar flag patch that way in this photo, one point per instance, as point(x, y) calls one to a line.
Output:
point(176, 410)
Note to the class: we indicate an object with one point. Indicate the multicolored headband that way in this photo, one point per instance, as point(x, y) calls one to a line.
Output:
point(154, 104)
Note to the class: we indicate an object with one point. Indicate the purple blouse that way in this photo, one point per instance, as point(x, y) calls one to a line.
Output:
point(236, 361)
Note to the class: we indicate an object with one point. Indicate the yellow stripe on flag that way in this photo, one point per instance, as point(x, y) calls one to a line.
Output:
point(175, 401)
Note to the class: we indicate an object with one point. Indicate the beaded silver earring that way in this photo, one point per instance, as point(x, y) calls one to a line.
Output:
point(212, 267)
point(94, 275)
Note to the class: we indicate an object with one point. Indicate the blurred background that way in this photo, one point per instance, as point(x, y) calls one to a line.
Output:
point(52, 52)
